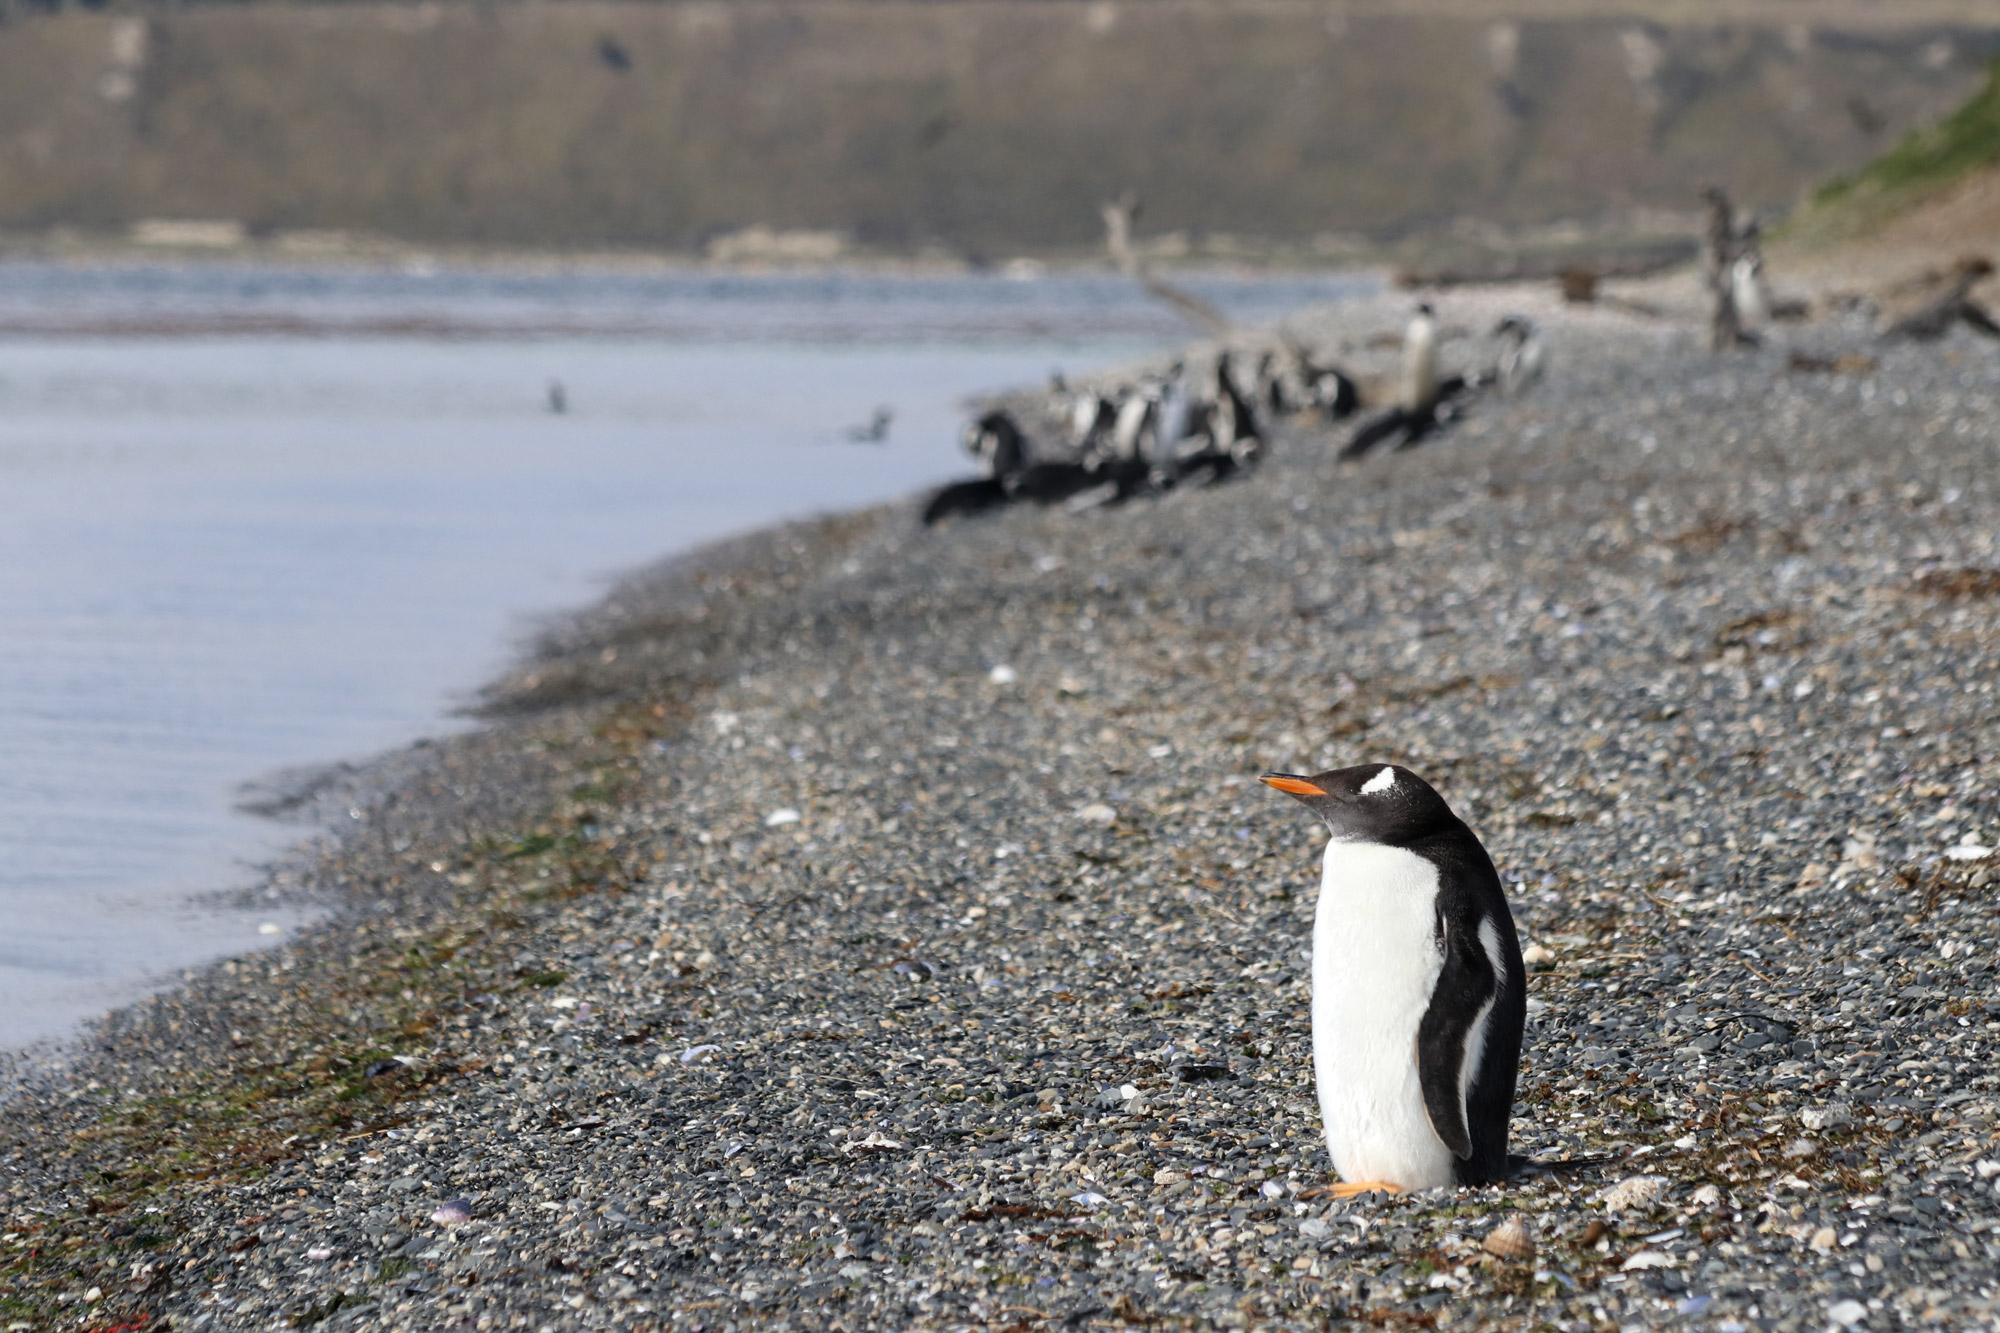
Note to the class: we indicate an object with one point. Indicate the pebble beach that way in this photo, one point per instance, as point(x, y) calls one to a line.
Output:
point(858, 926)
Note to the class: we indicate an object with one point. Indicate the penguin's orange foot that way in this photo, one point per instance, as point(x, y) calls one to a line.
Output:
point(1347, 1189)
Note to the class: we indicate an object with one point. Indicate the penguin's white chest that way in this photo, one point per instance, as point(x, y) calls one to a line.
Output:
point(1376, 959)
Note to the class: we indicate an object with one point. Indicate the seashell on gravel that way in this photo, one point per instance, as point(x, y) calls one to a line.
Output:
point(453, 1212)
point(780, 817)
point(1538, 957)
point(1635, 1194)
point(875, 1142)
point(1834, 1115)
point(1097, 813)
point(1648, 1259)
point(1003, 675)
point(1510, 1240)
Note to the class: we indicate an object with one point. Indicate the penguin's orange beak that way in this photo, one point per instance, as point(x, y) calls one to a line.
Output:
point(1285, 782)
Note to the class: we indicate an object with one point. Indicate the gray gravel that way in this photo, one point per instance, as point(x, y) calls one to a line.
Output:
point(865, 927)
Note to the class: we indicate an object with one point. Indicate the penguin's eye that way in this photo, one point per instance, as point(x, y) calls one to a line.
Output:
point(1380, 783)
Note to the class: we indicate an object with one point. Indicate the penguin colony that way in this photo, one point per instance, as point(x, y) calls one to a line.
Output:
point(1178, 429)
point(1419, 994)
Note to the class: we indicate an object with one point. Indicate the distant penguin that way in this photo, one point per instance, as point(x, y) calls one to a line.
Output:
point(1327, 390)
point(1271, 390)
point(1419, 384)
point(1135, 432)
point(1524, 354)
point(1231, 420)
point(1751, 293)
point(1421, 396)
point(877, 429)
point(1092, 417)
point(997, 443)
point(1418, 993)
point(1333, 393)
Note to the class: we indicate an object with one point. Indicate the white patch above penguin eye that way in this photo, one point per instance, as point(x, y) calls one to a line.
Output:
point(1380, 783)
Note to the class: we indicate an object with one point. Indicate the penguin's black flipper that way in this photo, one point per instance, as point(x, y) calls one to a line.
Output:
point(1461, 1009)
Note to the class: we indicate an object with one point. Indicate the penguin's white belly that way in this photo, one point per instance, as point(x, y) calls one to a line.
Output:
point(1376, 958)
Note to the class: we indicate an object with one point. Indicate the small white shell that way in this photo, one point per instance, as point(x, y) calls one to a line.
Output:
point(1635, 1194)
point(1510, 1240)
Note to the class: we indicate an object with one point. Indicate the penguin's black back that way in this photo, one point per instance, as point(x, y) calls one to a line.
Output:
point(1469, 892)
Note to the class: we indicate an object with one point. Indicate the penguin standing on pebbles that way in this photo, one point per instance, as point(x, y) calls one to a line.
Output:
point(1422, 397)
point(1418, 992)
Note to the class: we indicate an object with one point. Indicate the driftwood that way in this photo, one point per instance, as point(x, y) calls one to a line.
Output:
point(1119, 215)
point(1934, 318)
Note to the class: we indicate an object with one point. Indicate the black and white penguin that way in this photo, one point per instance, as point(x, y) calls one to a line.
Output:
point(1419, 388)
point(1418, 992)
point(1420, 393)
point(1524, 355)
point(997, 443)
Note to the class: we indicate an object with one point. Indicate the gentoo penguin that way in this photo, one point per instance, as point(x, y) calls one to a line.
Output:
point(998, 444)
point(1419, 393)
point(1227, 441)
point(1092, 416)
point(1234, 424)
point(1135, 434)
point(1420, 362)
point(1327, 389)
point(1524, 354)
point(1418, 993)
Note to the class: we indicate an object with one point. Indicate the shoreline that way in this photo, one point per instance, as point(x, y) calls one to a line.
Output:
point(926, 991)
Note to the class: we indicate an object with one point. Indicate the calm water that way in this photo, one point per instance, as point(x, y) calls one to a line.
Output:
point(253, 519)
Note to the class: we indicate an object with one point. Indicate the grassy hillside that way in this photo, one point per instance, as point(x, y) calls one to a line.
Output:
point(1926, 163)
point(983, 127)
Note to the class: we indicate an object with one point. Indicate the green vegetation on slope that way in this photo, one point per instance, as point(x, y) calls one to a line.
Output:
point(1924, 163)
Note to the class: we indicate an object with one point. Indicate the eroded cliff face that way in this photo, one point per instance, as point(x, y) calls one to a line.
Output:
point(986, 126)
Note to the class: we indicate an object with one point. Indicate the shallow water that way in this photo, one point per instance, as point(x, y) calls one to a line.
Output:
point(250, 520)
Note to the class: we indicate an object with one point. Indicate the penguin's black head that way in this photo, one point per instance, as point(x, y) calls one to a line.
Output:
point(1377, 803)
